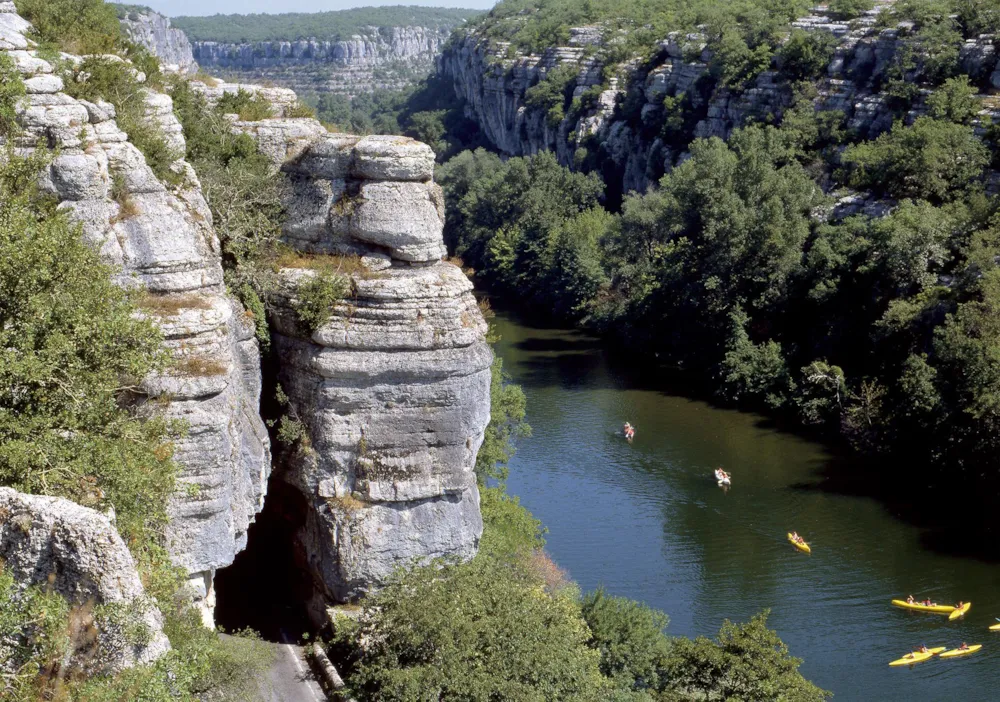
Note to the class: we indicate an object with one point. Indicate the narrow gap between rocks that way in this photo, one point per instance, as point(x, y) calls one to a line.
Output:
point(266, 588)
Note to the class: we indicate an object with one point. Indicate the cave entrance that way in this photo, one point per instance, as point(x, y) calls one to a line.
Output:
point(265, 588)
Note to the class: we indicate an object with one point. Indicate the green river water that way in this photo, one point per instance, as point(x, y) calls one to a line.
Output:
point(647, 521)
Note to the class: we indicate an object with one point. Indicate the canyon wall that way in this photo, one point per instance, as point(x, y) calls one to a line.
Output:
point(620, 120)
point(153, 31)
point(161, 237)
point(382, 58)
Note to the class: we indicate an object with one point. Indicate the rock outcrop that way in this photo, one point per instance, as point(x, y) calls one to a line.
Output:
point(393, 387)
point(153, 31)
point(77, 553)
point(619, 121)
point(162, 238)
point(382, 58)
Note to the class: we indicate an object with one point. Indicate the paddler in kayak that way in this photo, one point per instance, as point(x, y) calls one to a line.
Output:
point(629, 431)
point(910, 600)
point(922, 649)
point(796, 538)
point(963, 647)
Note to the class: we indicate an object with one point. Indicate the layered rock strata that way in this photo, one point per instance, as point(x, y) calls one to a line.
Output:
point(77, 553)
point(382, 58)
point(153, 31)
point(492, 78)
point(162, 238)
point(393, 387)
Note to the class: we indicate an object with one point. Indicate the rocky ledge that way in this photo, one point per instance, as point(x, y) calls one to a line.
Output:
point(393, 387)
point(153, 31)
point(162, 238)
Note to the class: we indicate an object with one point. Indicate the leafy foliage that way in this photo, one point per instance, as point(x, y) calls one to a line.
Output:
point(73, 352)
point(12, 90)
point(931, 159)
point(746, 662)
point(75, 26)
point(482, 630)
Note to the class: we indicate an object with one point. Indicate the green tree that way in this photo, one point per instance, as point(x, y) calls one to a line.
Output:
point(507, 410)
point(476, 631)
point(930, 160)
point(954, 101)
point(630, 637)
point(746, 662)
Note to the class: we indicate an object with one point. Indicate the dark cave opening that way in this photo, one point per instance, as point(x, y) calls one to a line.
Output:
point(266, 589)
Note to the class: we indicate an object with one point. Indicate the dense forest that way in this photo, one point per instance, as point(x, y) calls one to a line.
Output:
point(508, 625)
point(735, 268)
point(332, 26)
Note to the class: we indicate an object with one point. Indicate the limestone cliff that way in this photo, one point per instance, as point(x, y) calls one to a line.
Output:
point(619, 120)
point(380, 58)
point(394, 386)
point(162, 238)
point(153, 31)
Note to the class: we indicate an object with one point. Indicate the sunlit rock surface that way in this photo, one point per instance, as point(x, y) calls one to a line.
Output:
point(162, 238)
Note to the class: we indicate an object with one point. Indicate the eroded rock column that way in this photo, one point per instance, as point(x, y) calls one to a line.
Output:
point(393, 387)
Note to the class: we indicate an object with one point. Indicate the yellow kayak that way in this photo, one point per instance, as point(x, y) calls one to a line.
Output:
point(956, 652)
point(800, 545)
point(917, 656)
point(995, 627)
point(916, 606)
point(960, 612)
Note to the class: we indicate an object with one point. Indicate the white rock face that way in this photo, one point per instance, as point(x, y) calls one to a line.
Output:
point(163, 239)
point(153, 31)
point(77, 552)
point(394, 386)
point(494, 84)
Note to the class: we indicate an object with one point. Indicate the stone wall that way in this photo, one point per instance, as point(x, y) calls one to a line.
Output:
point(162, 238)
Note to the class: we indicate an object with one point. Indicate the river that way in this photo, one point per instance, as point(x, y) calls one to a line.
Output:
point(646, 521)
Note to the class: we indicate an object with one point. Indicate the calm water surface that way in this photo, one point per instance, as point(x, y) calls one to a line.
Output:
point(647, 521)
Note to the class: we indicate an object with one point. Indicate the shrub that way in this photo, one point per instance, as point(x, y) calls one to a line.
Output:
point(481, 630)
point(74, 26)
point(317, 296)
point(12, 90)
point(850, 9)
point(250, 106)
point(102, 78)
point(74, 351)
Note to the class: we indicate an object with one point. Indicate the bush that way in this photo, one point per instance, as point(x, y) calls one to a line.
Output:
point(250, 106)
point(75, 26)
point(850, 9)
point(316, 298)
point(12, 91)
point(102, 78)
point(74, 352)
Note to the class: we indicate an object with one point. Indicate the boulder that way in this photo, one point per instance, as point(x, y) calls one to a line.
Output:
point(77, 552)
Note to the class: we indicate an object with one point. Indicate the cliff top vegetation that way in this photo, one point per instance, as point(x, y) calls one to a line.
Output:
point(332, 26)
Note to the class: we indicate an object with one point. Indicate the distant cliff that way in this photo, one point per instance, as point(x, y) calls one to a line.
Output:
point(381, 57)
point(154, 31)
